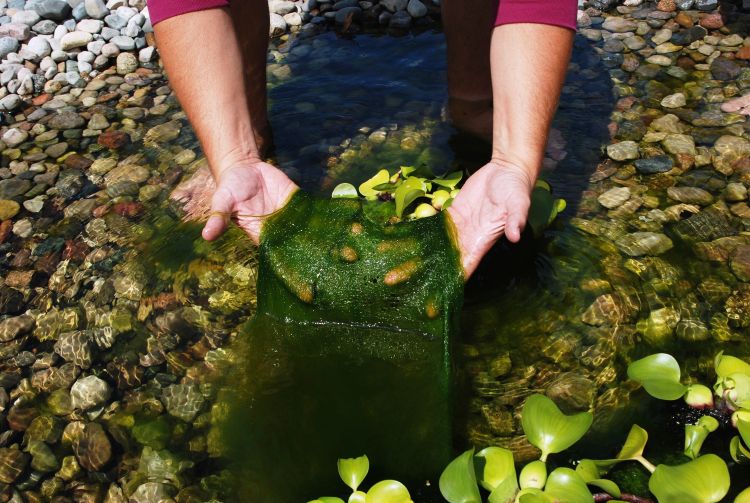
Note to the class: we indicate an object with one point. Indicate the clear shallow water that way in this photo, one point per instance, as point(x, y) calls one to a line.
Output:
point(342, 108)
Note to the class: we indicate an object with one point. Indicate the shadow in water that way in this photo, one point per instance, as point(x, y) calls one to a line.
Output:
point(350, 107)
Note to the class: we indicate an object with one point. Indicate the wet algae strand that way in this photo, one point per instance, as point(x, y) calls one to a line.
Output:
point(350, 350)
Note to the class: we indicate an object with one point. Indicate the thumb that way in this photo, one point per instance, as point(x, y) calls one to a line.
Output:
point(517, 214)
point(222, 205)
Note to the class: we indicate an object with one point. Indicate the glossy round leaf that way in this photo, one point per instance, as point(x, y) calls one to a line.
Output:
point(659, 374)
point(345, 191)
point(738, 386)
point(634, 443)
point(367, 187)
point(353, 470)
point(743, 497)
point(408, 192)
point(703, 480)
point(590, 473)
point(550, 430)
point(726, 365)
point(533, 496)
point(744, 428)
point(388, 491)
point(737, 450)
point(327, 499)
point(357, 497)
point(498, 466)
point(564, 484)
point(458, 482)
point(449, 180)
point(695, 435)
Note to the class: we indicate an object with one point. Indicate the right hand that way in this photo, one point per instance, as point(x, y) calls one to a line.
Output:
point(251, 190)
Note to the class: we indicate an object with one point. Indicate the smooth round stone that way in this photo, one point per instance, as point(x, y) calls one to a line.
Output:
point(89, 392)
point(667, 48)
point(14, 137)
point(126, 63)
point(735, 192)
point(27, 17)
point(634, 43)
point(659, 59)
point(34, 205)
point(661, 36)
point(619, 25)
point(123, 43)
point(10, 102)
point(75, 39)
point(690, 195)
point(8, 209)
point(732, 145)
point(679, 144)
point(110, 50)
point(740, 262)
point(656, 164)
point(676, 100)
point(725, 69)
point(39, 46)
point(614, 197)
point(416, 9)
point(98, 121)
point(90, 26)
point(623, 151)
point(644, 243)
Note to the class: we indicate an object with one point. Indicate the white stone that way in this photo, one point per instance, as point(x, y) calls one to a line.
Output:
point(416, 9)
point(90, 25)
point(14, 137)
point(27, 17)
point(75, 39)
point(146, 54)
point(40, 46)
point(110, 50)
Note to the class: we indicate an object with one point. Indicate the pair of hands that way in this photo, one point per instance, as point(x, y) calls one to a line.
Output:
point(494, 201)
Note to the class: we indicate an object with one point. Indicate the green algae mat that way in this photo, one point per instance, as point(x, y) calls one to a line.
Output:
point(350, 350)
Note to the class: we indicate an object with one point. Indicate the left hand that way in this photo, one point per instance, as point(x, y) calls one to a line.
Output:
point(494, 201)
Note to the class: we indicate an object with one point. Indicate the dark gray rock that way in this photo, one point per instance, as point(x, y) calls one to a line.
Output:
point(725, 69)
point(13, 188)
point(706, 5)
point(657, 164)
point(8, 45)
point(56, 10)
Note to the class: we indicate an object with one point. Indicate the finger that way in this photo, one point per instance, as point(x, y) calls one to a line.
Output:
point(222, 205)
point(516, 222)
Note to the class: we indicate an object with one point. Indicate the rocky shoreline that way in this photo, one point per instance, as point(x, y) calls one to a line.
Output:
point(115, 320)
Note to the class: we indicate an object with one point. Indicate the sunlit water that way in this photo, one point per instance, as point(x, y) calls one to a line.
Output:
point(522, 330)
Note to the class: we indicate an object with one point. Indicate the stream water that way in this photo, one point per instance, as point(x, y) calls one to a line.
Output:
point(561, 315)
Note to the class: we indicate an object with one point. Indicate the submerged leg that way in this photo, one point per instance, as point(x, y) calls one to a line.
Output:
point(468, 28)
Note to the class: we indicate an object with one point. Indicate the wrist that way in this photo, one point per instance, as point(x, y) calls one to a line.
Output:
point(525, 173)
point(235, 159)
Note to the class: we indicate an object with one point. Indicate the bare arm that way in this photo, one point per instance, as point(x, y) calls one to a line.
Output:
point(202, 57)
point(528, 63)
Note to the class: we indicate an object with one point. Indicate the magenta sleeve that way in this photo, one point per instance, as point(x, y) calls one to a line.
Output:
point(555, 12)
point(160, 10)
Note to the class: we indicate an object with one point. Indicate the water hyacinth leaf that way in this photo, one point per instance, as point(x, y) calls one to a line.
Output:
point(345, 191)
point(659, 374)
point(703, 480)
point(505, 492)
point(743, 497)
point(564, 484)
point(353, 470)
point(449, 180)
point(388, 491)
point(743, 427)
point(408, 192)
point(367, 188)
point(542, 207)
point(387, 187)
point(458, 482)
point(357, 497)
point(558, 207)
point(695, 435)
point(407, 170)
point(726, 365)
point(737, 451)
point(439, 198)
point(550, 430)
point(589, 472)
point(533, 496)
point(699, 396)
point(327, 499)
point(533, 475)
point(634, 444)
point(498, 466)
point(737, 390)
point(543, 184)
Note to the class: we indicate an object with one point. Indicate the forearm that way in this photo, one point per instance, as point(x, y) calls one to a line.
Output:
point(204, 64)
point(528, 63)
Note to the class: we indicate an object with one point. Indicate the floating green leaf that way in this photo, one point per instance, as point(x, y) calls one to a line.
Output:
point(743, 497)
point(533, 496)
point(449, 180)
point(738, 451)
point(695, 435)
point(699, 396)
point(533, 475)
point(353, 470)
point(703, 480)
point(439, 198)
point(743, 427)
point(458, 482)
point(367, 187)
point(550, 430)
point(327, 499)
point(541, 210)
point(726, 365)
point(495, 466)
point(564, 484)
point(357, 497)
point(660, 376)
point(590, 473)
point(345, 191)
point(388, 491)
point(406, 170)
point(408, 192)
point(736, 390)
point(632, 450)
point(424, 210)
